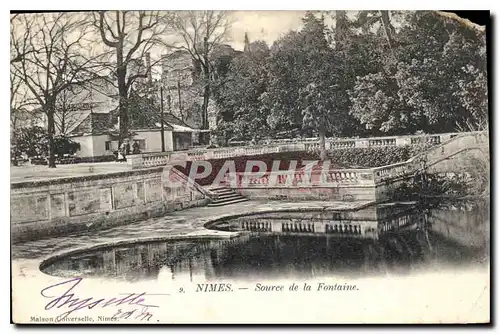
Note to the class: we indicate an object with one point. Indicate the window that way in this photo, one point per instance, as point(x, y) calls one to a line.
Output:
point(108, 146)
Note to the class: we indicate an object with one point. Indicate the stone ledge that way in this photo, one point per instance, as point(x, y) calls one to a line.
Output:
point(30, 231)
point(73, 179)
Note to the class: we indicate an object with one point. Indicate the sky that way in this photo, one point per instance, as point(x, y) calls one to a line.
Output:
point(263, 25)
point(266, 25)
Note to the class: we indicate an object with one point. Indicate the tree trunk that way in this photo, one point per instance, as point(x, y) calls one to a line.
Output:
point(206, 90)
point(13, 142)
point(206, 96)
point(180, 100)
point(388, 28)
point(123, 96)
point(322, 144)
point(204, 107)
point(123, 112)
point(50, 133)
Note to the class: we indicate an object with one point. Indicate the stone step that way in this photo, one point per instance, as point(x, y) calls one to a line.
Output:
point(217, 189)
point(229, 199)
point(225, 192)
point(242, 199)
point(226, 196)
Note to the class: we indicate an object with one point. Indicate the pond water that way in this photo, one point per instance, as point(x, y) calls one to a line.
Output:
point(376, 241)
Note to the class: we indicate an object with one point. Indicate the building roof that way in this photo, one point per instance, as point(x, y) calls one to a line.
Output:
point(180, 128)
point(107, 122)
point(81, 116)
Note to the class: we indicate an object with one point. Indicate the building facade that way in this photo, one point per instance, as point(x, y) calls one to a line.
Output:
point(98, 133)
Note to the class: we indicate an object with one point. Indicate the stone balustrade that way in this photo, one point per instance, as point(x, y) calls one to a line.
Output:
point(339, 184)
point(342, 143)
point(284, 145)
point(392, 171)
point(164, 158)
point(301, 179)
point(382, 142)
point(343, 228)
point(338, 144)
point(298, 227)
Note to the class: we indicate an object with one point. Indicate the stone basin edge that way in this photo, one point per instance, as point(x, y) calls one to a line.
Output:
point(205, 223)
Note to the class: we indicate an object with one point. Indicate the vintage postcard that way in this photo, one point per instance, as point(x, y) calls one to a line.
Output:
point(249, 167)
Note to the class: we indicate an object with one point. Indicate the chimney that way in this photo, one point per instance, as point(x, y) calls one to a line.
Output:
point(148, 68)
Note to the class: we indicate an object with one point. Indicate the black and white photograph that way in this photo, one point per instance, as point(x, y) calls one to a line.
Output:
point(250, 167)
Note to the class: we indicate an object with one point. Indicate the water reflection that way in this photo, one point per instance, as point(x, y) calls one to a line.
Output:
point(397, 241)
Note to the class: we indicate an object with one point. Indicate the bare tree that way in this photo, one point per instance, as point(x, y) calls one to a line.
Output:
point(19, 97)
point(68, 104)
point(20, 101)
point(130, 35)
point(51, 53)
point(199, 33)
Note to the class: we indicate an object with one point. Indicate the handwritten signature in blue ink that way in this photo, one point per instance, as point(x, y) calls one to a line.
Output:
point(62, 296)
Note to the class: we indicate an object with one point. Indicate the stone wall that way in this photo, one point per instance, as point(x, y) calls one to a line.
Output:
point(340, 193)
point(467, 226)
point(61, 206)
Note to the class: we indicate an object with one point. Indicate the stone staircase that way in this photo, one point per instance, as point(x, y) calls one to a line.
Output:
point(226, 196)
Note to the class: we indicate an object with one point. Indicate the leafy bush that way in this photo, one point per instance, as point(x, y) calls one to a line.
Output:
point(33, 143)
point(371, 156)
